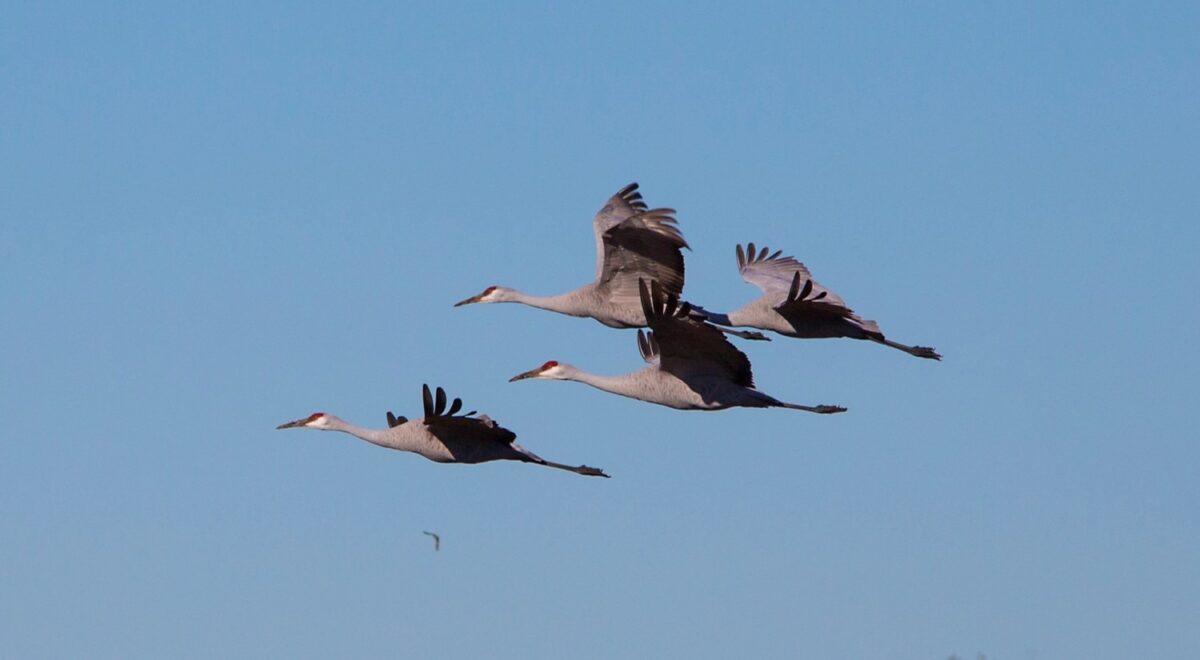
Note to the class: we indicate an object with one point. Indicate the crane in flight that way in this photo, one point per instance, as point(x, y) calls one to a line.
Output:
point(633, 242)
point(692, 366)
point(441, 435)
point(437, 540)
point(793, 304)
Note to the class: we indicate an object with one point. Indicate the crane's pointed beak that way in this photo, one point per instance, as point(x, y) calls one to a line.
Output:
point(468, 301)
point(534, 373)
point(292, 425)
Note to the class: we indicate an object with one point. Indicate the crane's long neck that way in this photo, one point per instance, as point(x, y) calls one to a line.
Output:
point(625, 384)
point(374, 436)
point(571, 302)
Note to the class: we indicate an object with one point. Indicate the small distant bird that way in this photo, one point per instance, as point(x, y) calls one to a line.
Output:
point(795, 305)
point(692, 365)
point(437, 540)
point(632, 242)
point(441, 435)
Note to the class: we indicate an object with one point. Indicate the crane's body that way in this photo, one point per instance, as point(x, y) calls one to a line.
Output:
point(632, 242)
point(795, 305)
point(692, 366)
point(441, 436)
point(654, 385)
point(765, 314)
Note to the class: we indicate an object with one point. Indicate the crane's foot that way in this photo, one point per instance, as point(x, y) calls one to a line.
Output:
point(591, 471)
point(925, 352)
point(828, 410)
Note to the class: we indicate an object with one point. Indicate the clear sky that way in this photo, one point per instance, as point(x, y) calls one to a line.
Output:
point(220, 217)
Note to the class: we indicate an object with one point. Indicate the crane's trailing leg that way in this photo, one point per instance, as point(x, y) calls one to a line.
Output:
point(767, 401)
point(582, 469)
point(919, 351)
point(530, 457)
point(820, 410)
point(745, 334)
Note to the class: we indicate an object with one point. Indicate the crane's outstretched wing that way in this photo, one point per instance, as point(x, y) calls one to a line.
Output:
point(633, 242)
point(463, 435)
point(777, 277)
point(434, 405)
point(437, 408)
point(480, 439)
point(802, 298)
point(625, 203)
point(685, 346)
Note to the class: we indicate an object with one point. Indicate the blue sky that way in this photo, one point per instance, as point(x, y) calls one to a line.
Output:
point(218, 218)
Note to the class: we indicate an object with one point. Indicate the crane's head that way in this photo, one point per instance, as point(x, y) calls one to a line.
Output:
point(551, 370)
point(317, 420)
point(490, 295)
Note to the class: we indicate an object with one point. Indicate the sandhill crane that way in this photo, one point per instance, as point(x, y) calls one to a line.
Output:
point(437, 540)
point(632, 243)
point(692, 366)
point(794, 305)
point(441, 436)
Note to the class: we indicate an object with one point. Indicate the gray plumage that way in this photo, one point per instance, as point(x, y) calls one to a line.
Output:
point(692, 365)
point(793, 304)
point(441, 435)
point(632, 242)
